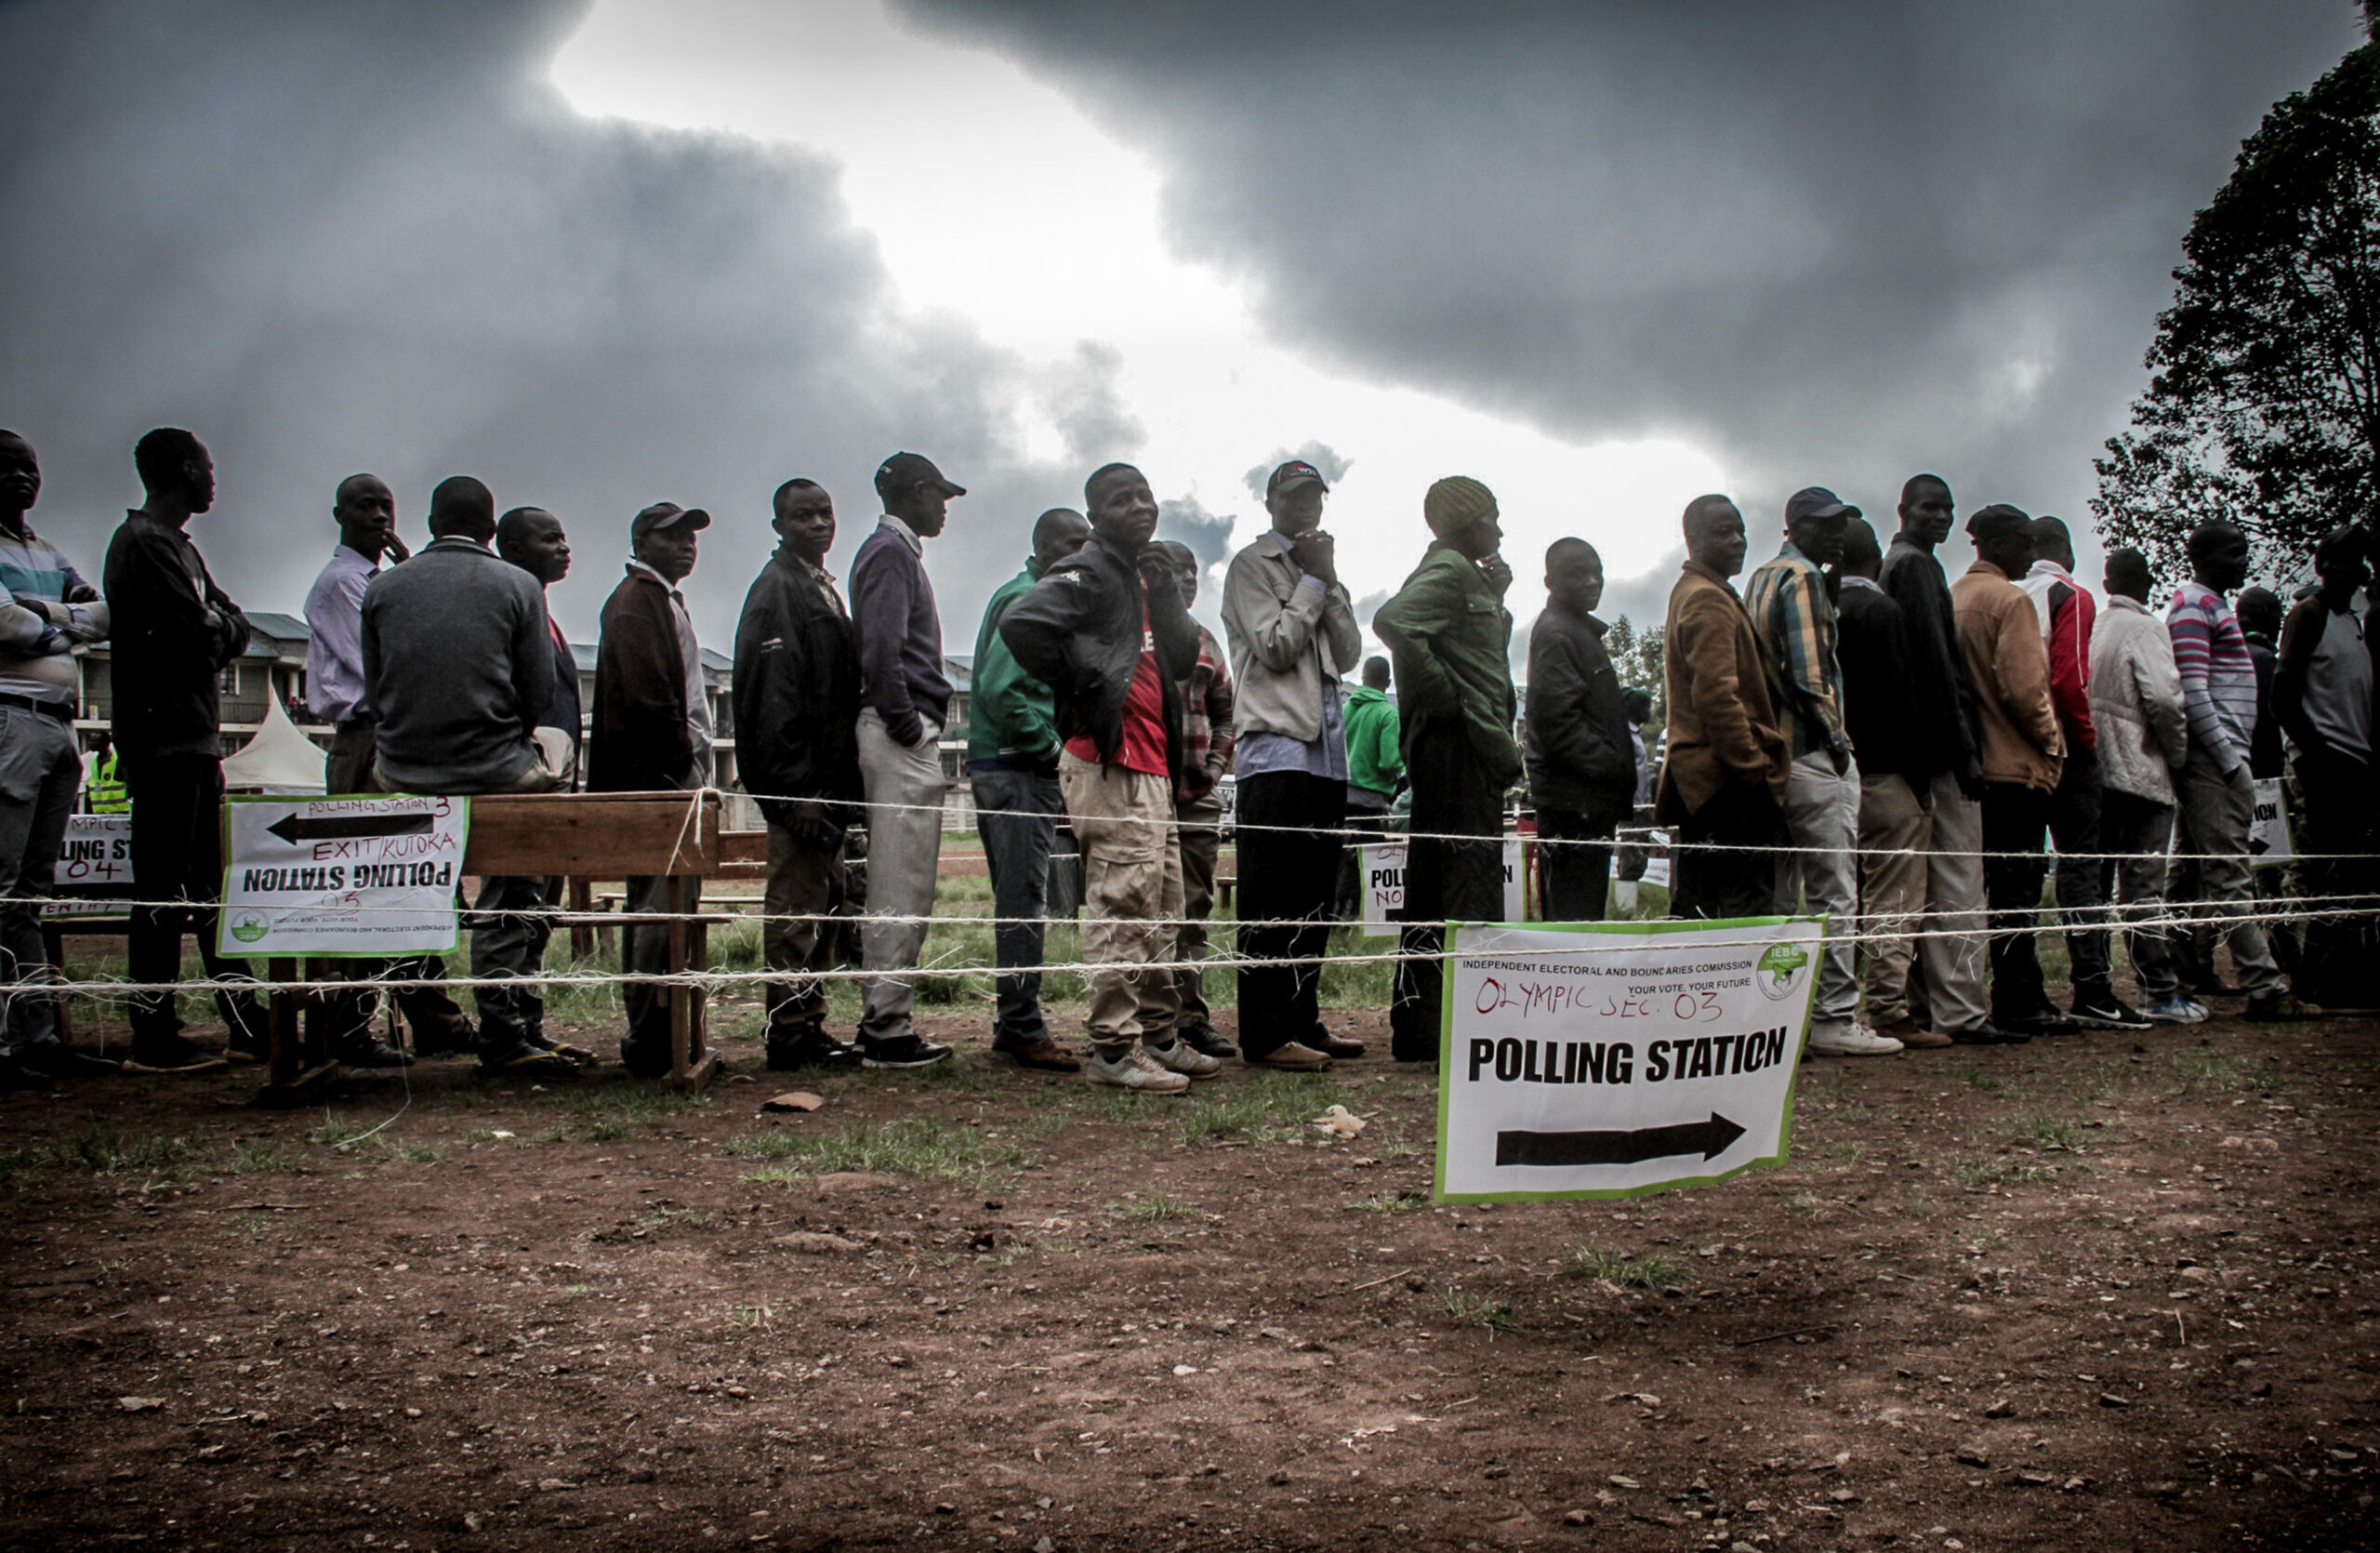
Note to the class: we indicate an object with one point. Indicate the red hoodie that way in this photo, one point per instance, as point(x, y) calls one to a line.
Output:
point(2066, 611)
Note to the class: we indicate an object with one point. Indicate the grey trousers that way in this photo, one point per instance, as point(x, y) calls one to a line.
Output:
point(1954, 906)
point(2218, 809)
point(2142, 830)
point(905, 792)
point(1821, 874)
point(39, 771)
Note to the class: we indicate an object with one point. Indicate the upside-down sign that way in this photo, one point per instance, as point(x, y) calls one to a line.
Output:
point(341, 876)
point(1611, 1060)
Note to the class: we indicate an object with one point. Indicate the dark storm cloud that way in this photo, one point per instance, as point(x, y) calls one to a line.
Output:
point(1324, 457)
point(1207, 534)
point(331, 238)
point(1833, 242)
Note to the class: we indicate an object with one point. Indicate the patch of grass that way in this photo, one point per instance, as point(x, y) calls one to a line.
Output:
point(673, 1219)
point(624, 1100)
point(1158, 1207)
point(1806, 1201)
point(2210, 1072)
point(920, 1146)
point(1990, 1240)
point(2062, 1130)
point(1270, 1107)
point(415, 1153)
point(1485, 1311)
point(100, 1150)
point(1625, 1272)
point(1392, 1203)
point(1848, 1153)
point(265, 1160)
point(750, 1315)
point(1989, 1084)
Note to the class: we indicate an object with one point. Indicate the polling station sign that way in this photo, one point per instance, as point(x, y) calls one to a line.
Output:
point(359, 875)
point(94, 859)
point(1596, 1060)
point(1383, 878)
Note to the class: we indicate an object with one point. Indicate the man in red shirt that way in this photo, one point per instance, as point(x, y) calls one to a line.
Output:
point(1106, 631)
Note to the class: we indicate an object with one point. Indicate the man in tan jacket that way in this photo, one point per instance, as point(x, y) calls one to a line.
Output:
point(2000, 637)
point(1723, 782)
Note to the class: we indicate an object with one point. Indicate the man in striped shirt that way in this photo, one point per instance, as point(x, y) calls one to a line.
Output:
point(2218, 793)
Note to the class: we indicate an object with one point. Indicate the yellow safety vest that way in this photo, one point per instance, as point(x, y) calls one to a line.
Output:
point(106, 791)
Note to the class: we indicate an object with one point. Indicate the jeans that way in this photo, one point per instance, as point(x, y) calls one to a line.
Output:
point(2074, 827)
point(39, 770)
point(1576, 869)
point(1712, 884)
point(1132, 879)
point(2140, 828)
point(2218, 809)
point(178, 856)
point(1894, 827)
point(510, 925)
point(1821, 873)
point(2015, 819)
point(1016, 812)
point(905, 792)
point(1201, 837)
point(805, 881)
point(1459, 881)
point(1287, 875)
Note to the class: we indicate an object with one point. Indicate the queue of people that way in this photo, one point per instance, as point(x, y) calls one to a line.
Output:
point(1855, 735)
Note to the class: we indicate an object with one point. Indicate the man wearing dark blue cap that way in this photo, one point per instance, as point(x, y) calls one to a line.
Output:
point(1795, 621)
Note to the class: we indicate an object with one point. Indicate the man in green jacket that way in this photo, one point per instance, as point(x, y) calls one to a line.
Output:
point(1012, 764)
point(1375, 765)
point(1452, 636)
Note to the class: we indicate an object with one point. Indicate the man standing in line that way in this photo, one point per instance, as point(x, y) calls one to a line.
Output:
point(1581, 750)
point(1879, 712)
point(1106, 631)
point(514, 919)
point(1012, 765)
point(2068, 614)
point(1796, 622)
point(1293, 633)
point(47, 610)
point(458, 667)
point(366, 515)
point(2001, 639)
point(1452, 638)
point(652, 733)
point(1207, 737)
point(1375, 765)
point(174, 631)
point(905, 697)
point(1724, 776)
point(2143, 738)
point(1944, 765)
point(2322, 697)
point(2217, 788)
point(797, 742)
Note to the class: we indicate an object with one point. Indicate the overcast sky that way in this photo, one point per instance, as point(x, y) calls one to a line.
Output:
point(1601, 257)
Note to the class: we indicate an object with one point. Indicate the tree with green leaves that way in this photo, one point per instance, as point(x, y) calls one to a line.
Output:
point(1636, 659)
point(2264, 399)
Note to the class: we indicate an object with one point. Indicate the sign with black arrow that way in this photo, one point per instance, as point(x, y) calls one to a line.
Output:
point(299, 829)
point(367, 874)
point(1609, 1059)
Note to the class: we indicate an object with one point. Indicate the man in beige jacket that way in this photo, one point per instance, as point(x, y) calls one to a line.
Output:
point(2000, 637)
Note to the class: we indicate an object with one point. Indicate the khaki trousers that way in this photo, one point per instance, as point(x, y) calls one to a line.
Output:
point(1131, 869)
point(1202, 838)
point(1895, 827)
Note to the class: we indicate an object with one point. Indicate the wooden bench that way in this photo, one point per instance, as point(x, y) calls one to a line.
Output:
point(584, 836)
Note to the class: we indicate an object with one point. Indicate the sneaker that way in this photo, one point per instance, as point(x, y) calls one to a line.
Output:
point(1914, 1036)
point(2275, 1007)
point(2176, 1010)
point(564, 1049)
point(1132, 1069)
point(372, 1051)
point(1204, 1036)
point(791, 1051)
point(1037, 1052)
point(902, 1051)
point(522, 1060)
point(172, 1054)
point(1850, 1041)
point(2044, 1021)
point(1332, 1045)
point(1178, 1055)
point(2108, 1012)
point(1294, 1056)
point(1988, 1034)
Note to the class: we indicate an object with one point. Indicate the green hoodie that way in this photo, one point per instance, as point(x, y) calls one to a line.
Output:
point(1013, 718)
point(1373, 760)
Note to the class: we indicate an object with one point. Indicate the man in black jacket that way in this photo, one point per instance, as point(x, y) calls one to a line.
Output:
point(1106, 631)
point(174, 633)
point(1581, 754)
point(797, 740)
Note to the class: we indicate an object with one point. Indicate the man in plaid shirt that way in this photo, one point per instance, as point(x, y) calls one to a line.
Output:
point(1207, 740)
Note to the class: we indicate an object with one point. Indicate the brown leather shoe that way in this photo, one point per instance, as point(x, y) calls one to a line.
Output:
point(1332, 1045)
point(1294, 1058)
point(1041, 1054)
point(1908, 1032)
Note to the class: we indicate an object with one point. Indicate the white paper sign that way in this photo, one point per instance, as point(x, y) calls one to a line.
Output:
point(1383, 892)
point(96, 855)
point(2269, 836)
point(1605, 1060)
point(342, 876)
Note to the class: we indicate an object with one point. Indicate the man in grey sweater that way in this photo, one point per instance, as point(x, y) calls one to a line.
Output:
point(460, 665)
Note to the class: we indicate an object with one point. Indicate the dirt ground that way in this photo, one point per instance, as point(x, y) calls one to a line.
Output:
point(2106, 1290)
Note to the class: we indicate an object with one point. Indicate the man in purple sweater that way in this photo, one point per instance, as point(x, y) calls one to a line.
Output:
point(905, 697)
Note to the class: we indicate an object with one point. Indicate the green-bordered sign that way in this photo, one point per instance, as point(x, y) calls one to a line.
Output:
point(1615, 1059)
point(359, 875)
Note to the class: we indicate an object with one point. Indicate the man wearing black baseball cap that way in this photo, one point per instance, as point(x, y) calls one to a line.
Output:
point(905, 699)
point(651, 734)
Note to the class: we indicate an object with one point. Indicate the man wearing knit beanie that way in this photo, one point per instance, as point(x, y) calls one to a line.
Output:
point(1450, 635)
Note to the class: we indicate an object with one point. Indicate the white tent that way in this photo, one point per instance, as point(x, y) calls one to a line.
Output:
point(278, 759)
